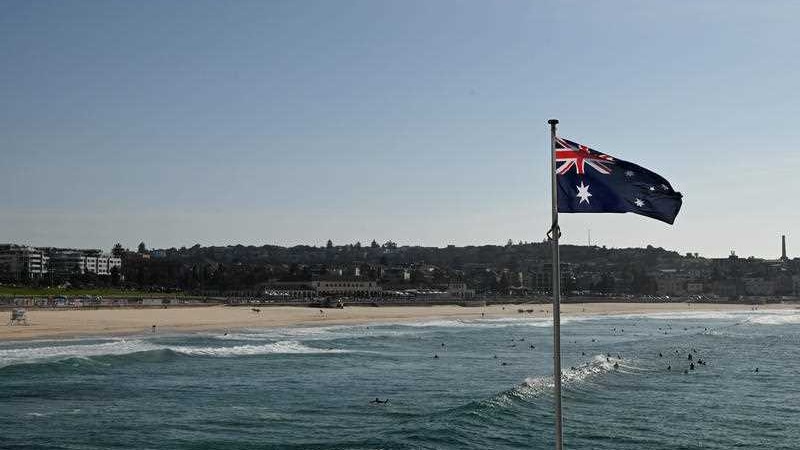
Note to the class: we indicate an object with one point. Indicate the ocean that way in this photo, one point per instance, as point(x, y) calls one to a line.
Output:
point(451, 384)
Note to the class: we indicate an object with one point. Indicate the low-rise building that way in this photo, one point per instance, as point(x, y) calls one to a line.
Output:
point(19, 262)
point(75, 261)
point(460, 290)
point(694, 287)
point(344, 286)
point(759, 286)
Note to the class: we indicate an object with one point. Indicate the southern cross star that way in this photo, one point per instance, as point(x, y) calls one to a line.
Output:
point(639, 202)
point(652, 188)
point(583, 193)
point(628, 173)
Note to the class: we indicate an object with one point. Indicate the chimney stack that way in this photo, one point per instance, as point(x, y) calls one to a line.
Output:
point(783, 248)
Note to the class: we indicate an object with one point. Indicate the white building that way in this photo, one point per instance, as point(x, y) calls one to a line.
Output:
point(345, 286)
point(460, 290)
point(69, 261)
point(18, 262)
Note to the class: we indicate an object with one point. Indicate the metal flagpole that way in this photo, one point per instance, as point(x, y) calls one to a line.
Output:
point(554, 234)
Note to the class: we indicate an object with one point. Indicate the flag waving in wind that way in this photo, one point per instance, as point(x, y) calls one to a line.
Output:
point(592, 182)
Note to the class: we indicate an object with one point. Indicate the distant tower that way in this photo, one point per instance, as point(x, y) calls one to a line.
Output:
point(783, 248)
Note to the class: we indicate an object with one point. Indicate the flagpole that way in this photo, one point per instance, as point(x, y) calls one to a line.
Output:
point(555, 233)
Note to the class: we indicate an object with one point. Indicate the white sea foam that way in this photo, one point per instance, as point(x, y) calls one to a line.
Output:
point(770, 317)
point(283, 347)
point(11, 356)
point(483, 323)
point(24, 355)
point(598, 365)
point(536, 386)
point(785, 318)
point(312, 333)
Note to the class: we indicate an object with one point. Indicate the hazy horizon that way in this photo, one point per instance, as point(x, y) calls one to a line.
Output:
point(418, 122)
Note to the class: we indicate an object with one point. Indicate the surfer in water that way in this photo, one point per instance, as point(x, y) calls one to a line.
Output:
point(378, 401)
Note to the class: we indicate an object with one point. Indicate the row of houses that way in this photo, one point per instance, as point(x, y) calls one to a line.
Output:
point(20, 262)
point(355, 287)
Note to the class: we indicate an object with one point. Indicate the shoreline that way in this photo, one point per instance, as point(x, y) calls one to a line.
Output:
point(123, 322)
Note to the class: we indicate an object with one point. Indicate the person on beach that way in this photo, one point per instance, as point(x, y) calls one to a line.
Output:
point(154, 329)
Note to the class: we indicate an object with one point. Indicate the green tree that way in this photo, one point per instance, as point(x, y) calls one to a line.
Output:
point(142, 248)
point(118, 251)
point(374, 244)
point(329, 244)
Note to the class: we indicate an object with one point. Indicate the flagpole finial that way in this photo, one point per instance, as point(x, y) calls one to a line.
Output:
point(552, 121)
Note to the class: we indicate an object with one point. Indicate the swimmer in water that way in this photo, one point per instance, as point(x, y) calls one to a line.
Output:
point(669, 367)
point(691, 366)
point(378, 401)
point(616, 365)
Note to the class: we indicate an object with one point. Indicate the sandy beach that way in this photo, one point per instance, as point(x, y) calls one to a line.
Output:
point(125, 321)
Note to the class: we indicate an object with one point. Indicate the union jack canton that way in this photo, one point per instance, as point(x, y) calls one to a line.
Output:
point(593, 182)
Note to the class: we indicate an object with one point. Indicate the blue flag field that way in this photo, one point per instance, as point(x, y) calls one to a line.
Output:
point(593, 182)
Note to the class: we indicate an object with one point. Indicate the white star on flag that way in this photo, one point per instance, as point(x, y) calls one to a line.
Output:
point(583, 193)
point(639, 202)
point(628, 173)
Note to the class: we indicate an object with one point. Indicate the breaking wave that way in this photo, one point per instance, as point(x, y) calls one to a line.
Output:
point(534, 387)
point(283, 347)
point(786, 318)
point(29, 355)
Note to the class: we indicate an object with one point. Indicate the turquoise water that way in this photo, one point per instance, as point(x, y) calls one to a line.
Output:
point(310, 388)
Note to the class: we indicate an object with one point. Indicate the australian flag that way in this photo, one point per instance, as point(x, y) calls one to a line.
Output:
point(592, 182)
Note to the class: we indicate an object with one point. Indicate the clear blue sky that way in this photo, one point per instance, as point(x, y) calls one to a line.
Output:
point(423, 122)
